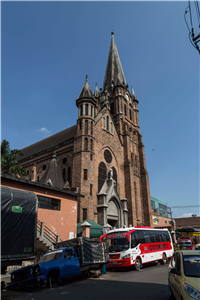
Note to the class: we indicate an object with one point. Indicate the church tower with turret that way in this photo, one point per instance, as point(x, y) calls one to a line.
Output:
point(102, 155)
point(113, 115)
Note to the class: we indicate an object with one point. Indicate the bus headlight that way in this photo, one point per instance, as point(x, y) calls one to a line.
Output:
point(126, 256)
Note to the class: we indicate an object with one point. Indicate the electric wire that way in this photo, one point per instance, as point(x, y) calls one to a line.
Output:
point(197, 10)
point(184, 206)
point(190, 14)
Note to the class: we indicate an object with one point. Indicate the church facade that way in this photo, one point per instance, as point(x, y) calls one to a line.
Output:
point(102, 156)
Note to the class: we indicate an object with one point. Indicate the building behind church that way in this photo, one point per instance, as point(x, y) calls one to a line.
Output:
point(102, 155)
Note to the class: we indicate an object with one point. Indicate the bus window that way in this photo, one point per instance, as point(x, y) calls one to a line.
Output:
point(147, 236)
point(158, 238)
point(152, 236)
point(140, 236)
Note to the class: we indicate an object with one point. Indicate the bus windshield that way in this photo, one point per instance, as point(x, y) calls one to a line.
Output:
point(117, 242)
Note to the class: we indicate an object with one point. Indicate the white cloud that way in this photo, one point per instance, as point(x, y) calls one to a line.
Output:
point(187, 215)
point(43, 129)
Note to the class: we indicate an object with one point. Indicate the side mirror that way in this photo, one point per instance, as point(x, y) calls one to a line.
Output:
point(175, 271)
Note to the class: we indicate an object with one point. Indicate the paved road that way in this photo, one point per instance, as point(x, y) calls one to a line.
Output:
point(148, 284)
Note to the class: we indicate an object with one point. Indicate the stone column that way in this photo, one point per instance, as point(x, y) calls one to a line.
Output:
point(102, 209)
point(125, 211)
point(86, 229)
point(89, 110)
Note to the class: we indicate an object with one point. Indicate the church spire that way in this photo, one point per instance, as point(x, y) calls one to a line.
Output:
point(86, 91)
point(114, 69)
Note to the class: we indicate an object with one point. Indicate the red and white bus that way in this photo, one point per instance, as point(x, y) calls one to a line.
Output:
point(138, 245)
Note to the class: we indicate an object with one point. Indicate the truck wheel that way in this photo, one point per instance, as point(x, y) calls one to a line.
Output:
point(138, 264)
point(49, 282)
point(164, 259)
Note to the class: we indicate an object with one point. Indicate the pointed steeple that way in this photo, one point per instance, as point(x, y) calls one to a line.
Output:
point(133, 93)
point(114, 68)
point(96, 91)
point(52, 175)
point(86, 91)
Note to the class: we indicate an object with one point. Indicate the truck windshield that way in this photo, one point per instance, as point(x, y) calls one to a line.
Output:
point(54, 255)
point(117, 242)
point(191, 265)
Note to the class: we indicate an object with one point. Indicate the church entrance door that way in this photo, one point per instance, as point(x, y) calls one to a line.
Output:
point(113, 213)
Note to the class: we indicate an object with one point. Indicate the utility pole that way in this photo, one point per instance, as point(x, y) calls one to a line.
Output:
point(194, 33)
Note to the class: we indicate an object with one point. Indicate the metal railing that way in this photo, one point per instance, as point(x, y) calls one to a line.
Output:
point(47, 233)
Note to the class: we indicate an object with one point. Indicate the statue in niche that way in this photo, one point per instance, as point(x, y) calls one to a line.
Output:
point(111, 173)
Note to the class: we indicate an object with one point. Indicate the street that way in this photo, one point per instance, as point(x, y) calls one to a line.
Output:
point(149, 283)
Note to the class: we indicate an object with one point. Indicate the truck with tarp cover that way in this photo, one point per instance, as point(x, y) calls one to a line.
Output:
point(18, 226)
point(71, 258)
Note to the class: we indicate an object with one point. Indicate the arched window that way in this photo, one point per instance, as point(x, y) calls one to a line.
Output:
point(69, 175)
point(80, 124)
point(102, 172)
point(64, 174)
point(86, 109)
point(112, 111)
point(91, 128)
point(130, 113)
point(86, 126)
point(81, 113)
point(107, 123)
point(85, 144)
point(104, 123)
point(125, 109)
point(91, 145)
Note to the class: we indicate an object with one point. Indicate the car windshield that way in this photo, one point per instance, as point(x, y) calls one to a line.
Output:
point(197, 248)
point(54, 255)
point(191, 265)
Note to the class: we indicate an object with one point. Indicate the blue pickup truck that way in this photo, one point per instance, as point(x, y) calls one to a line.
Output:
point(85, 255)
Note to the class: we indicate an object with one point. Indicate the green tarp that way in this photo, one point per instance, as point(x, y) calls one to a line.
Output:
point(96, 230)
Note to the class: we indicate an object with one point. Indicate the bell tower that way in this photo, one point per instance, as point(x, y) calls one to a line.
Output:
point(83, 159)
point(123, 107)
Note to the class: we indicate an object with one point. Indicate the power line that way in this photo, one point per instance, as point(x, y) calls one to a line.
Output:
point(184, 206)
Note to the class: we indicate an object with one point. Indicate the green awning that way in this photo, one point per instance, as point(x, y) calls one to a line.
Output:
point(96, 230)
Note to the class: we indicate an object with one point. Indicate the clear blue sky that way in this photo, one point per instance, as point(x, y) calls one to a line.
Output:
point(48, 47)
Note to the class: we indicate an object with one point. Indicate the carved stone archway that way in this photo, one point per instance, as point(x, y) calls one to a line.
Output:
point(110, 208)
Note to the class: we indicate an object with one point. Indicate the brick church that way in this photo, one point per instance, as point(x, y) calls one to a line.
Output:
point(102, 156)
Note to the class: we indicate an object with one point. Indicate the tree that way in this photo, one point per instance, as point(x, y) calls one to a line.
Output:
point(9, 164)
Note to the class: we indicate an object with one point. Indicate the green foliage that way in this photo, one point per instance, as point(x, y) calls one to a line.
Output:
point(176, 247)
point(9, 164)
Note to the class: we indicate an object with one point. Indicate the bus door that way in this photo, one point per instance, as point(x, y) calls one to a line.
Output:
point(135, 251)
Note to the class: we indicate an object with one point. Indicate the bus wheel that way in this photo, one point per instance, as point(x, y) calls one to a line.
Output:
point(164, 259)
point(138, 264)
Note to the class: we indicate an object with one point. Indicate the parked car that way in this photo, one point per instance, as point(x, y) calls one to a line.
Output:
point(196, 247)
point(184, 275)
